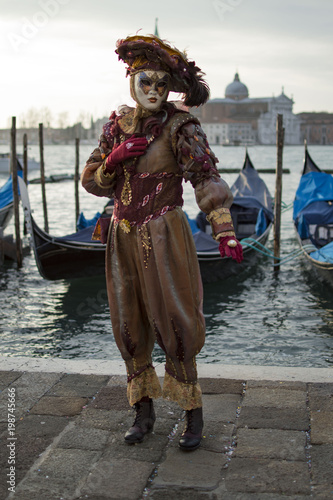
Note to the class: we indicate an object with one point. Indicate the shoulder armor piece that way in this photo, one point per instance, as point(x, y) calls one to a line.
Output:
point(181, 119)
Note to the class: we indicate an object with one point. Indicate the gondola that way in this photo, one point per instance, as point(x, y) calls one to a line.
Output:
point(67, 257)
point(313, 218)
point(7, 201)
point(5, 163)
point(252, 215)
point(76, 255)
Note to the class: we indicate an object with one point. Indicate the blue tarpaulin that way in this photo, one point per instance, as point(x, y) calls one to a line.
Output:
point(261, 223)
point(325, 254)
point(82, 222)
point(313, 202)
point(313, 187)
point(6, 191)
point(193, 224)
point(82, 236)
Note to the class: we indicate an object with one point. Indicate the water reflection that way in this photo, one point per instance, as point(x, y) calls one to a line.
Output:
point(258, 317)
point(264, 318)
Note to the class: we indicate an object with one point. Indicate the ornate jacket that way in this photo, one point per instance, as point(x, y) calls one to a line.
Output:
point(151, 185)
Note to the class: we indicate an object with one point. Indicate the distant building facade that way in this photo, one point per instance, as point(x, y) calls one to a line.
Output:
point(240, 119)
point(236, 119)
point(317, 128)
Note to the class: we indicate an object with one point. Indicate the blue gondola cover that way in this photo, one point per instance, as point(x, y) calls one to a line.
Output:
point(6, 191)
point(325, 254)
point(313, 187)
point(313, 202)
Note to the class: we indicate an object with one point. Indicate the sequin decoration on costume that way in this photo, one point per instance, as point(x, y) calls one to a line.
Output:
point(128, 342)
point(126, 194)
point(180, 348)
point(125, 225)
point(164, 210)
point(145, 200)
point(147, 219)
point(180, 353)
point(146, 243)
point(150, 195)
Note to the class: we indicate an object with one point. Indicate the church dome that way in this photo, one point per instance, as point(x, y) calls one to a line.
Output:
point(236, 90)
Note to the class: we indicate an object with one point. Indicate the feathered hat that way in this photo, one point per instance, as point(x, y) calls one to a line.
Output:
point(150, 52)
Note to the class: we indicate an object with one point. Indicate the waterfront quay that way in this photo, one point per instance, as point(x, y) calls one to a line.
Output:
point(268, 434)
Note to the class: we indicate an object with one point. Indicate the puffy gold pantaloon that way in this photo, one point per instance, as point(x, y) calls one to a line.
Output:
point(155, 293)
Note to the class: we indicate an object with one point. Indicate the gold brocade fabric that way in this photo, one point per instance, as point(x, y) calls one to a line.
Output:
point(145, 384)
point(188, 396)
point(128, 123)
point(221, 223)
point(220, 216)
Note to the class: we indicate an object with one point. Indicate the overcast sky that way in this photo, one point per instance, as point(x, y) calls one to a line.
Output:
point(60, 54)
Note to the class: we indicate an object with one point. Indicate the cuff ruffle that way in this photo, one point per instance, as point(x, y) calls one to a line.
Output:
point(188, 396)
point(102, 178)
point(145, 384)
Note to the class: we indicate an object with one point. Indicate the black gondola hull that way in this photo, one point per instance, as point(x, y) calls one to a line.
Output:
point(56, 260)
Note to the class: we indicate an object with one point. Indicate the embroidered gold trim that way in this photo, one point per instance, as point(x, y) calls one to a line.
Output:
point(220, 216)
point(104, 172)
point(223, 234)
point(102, 177)
point(125, 225)
point(146, 243)
point(183, 370)
point(126, 193)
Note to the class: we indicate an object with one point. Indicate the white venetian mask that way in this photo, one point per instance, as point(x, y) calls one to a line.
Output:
point(151, 88)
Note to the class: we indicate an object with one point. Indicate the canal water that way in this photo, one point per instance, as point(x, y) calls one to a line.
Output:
point(258, 318)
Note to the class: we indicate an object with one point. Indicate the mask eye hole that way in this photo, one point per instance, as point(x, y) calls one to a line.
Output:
point(145, 83)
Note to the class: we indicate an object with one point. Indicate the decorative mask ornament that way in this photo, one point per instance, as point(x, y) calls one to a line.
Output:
point(151, 88)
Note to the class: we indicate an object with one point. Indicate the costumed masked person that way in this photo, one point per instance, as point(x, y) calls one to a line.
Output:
point(152, 272)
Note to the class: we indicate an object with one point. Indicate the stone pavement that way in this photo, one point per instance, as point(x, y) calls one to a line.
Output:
point(263, 439)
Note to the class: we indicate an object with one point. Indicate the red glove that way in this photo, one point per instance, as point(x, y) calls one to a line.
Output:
point(134, 146)
point(235, 252)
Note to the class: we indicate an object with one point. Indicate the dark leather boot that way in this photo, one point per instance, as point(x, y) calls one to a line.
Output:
point(143, 423)
point(191, 437)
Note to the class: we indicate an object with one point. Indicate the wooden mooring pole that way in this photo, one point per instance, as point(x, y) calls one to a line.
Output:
point(25, 169)
point(278, 191)
point(76, 180)
point(13, 169)
point(25, 158)
point(42, 176)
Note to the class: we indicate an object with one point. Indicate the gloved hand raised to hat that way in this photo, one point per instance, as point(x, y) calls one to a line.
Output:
point(230, 247)
point(132, 147)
